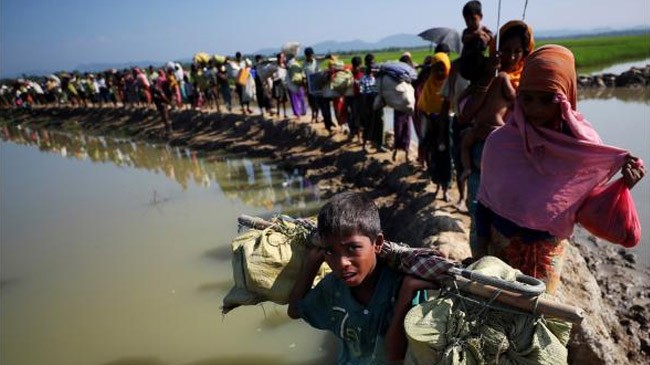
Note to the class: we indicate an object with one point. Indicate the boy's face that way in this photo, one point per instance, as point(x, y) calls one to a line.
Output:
point(540, 109)
point(511, 52)
point(352, 258)
point(472, 21)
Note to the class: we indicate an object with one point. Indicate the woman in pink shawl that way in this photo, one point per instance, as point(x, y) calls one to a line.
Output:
point(143, 84)
point(540, 167)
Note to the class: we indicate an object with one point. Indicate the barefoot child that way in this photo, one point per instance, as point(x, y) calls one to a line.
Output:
point(362, 302)
point(491, 97)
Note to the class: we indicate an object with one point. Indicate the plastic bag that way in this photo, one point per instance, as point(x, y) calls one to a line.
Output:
point(609, 213)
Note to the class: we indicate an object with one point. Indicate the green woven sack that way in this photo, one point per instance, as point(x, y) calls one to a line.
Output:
point(450, 330)
point(266, 264)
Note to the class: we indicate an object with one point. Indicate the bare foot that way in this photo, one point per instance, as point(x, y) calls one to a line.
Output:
point(461, 206)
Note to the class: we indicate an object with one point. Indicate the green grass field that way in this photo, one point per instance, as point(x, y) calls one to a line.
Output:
point(590, 52)
point(598, 51)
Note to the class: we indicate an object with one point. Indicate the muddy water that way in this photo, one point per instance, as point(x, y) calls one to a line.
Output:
point(116, 252)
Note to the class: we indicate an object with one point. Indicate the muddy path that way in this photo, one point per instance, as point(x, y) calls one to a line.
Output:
point(599, 277)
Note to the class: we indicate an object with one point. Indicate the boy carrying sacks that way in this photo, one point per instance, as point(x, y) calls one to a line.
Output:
point(490, 98)
point(362, 302)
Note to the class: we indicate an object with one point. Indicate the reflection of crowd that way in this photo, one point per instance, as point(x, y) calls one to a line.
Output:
point(347, 98)
point(253, 182)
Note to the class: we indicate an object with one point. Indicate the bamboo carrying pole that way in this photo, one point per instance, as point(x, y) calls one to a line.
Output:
point(528, 303)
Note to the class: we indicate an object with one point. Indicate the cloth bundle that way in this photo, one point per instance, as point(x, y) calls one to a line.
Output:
point(400, 71)
point(394, 87)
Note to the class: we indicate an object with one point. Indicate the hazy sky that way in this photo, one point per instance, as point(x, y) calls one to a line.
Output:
point(61, 34)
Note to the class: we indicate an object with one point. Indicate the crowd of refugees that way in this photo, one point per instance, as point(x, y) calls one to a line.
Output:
point(501, 118)
point(506, 116)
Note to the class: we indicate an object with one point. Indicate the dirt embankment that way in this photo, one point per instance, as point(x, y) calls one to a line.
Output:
point(600, 278)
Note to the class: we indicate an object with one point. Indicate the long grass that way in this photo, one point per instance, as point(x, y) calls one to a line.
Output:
point(599, 51)
point(590, 52)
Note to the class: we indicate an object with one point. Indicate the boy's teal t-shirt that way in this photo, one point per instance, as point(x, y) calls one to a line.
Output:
point(331, 306)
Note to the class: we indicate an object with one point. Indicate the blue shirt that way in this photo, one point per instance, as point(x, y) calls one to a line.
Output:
point(331, 306)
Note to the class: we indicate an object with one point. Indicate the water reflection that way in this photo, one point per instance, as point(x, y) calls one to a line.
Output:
point(628, 95)
point(88, 278)
point(256, 183)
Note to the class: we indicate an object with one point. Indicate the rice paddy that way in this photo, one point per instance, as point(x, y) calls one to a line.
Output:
point(590, 52)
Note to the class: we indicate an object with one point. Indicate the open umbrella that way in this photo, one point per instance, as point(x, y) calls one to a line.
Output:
point(443, 35)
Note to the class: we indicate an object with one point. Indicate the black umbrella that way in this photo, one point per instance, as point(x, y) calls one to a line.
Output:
point(443, 35)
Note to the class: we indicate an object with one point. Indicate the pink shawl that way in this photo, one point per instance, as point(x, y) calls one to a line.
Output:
point(538, 178)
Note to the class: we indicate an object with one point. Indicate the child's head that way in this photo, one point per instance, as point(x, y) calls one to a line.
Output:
point(350, 233)
point(281, 59)
point(356, 62)
point(515, 44)
point(473, 13)
point(442, 47)
point(309, 53)
point(548, 72)
point(369, 60)
point(407, 58)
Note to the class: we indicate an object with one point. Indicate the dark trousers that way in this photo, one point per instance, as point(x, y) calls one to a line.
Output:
point(325, 107)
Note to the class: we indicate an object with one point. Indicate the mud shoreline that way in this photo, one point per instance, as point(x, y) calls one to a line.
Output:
point(599, 277)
